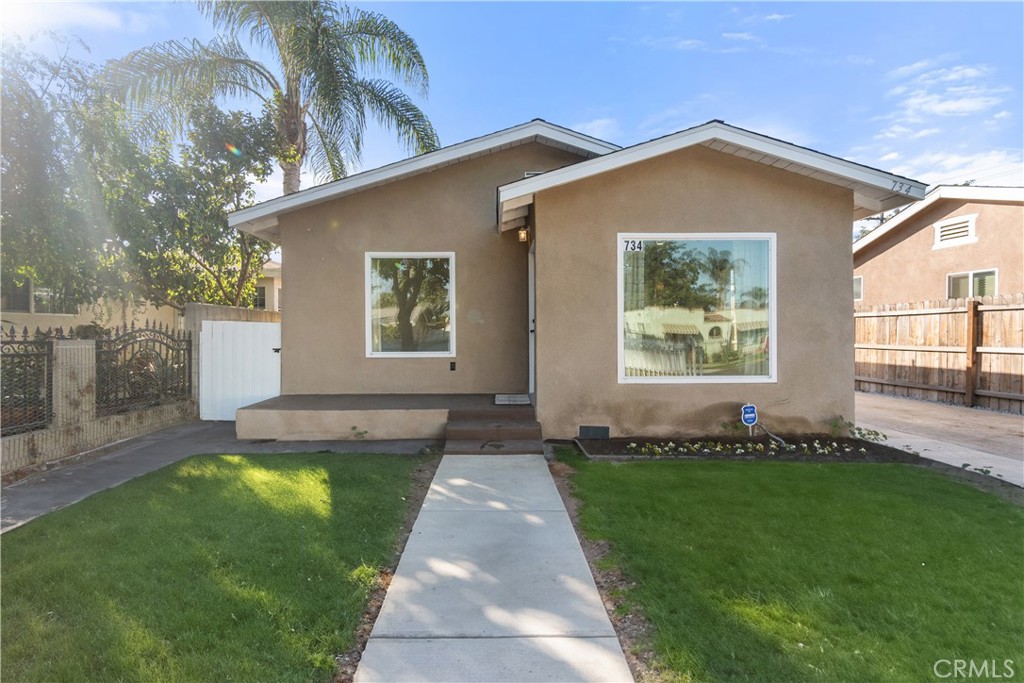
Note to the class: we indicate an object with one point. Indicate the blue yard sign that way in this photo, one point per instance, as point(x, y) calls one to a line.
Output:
point(749, 415)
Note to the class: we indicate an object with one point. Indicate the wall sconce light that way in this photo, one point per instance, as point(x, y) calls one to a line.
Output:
point(524, 234)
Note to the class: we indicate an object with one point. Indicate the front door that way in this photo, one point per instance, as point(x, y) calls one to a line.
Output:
point(532, 319)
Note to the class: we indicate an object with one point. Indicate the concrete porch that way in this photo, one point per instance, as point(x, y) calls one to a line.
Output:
point(330, 417)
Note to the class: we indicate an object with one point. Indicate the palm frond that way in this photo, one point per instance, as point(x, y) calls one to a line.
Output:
point(159, 84)
point(380, 43)
point(395, 111)
point(326, 154)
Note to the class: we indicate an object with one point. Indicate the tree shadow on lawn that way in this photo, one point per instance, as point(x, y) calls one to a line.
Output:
point(220, 567)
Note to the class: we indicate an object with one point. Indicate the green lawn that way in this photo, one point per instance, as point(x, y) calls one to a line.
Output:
point(779, 571)
point(218, 568)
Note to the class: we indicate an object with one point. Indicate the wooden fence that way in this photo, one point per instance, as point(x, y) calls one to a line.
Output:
point(965, 351)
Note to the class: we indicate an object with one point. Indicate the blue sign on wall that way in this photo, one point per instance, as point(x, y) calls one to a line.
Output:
point(749, 415)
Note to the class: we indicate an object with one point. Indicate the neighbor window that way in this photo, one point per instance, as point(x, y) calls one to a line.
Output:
point(696, 307)
point(261, 298)
point(410, 304)
point(46, 300)
point(955, 231)
point(972, 284)
point(858, 287)
point(15, 297)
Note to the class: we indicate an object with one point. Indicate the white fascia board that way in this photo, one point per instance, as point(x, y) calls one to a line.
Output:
point(811, 161)
point(420, 164)
point(962, 192)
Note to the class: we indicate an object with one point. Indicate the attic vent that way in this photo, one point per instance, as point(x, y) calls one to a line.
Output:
point(530, 174)
point(955, 231)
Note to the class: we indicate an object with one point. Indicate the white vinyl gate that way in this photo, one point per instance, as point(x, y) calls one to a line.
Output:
point(237, 366)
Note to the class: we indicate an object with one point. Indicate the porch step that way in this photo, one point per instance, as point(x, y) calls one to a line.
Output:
point(496, 430)
point(492, 413)
point(492, 430)
point(506, 447)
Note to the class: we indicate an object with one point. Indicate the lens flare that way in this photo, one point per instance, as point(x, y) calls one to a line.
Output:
point(231, 148)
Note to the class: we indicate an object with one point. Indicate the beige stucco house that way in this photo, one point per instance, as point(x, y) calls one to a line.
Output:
point(958, 242)
point(652, 289)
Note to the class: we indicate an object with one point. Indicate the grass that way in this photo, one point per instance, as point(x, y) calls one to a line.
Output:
point(778, 571)
point(218, 568)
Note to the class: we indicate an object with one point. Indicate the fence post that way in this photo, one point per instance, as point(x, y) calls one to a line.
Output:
point(971, 369)
point(74, 381)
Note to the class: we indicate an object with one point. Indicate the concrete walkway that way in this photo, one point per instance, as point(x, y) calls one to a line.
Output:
point(954, 435)
point(29, 498)
point(493, 586)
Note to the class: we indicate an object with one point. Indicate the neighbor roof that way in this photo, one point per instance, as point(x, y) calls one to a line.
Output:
point(261, 219)
point(873, 190)
point(961, 192)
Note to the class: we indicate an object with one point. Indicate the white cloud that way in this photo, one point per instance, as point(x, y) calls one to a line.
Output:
point(28, 17)
point(740, 36)
point(925, 133)
point(671, 43)
point(891, 156)
point(992, 167)
point(954, 102)
point(777, 17)
point(605, 128)
point(999, 116)
point(910, 69)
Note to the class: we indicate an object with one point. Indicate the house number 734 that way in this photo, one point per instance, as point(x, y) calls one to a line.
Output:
point(632, 245)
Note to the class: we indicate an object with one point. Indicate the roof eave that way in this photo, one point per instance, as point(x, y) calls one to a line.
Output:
point(536, 130)
point(874, 190)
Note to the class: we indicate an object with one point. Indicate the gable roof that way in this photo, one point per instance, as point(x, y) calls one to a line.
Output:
point(261, 219)
point(962, 192)
point(873, 190)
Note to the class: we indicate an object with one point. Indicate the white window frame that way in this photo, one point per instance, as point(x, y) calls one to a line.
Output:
point(971, 238)
point(773, 355)
point(861, 297)
point(370, 255)
point(970, 281)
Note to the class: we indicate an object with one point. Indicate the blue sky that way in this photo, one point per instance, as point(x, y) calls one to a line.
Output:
point(932, 91)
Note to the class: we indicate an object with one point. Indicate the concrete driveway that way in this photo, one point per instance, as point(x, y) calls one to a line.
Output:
point(983, 439)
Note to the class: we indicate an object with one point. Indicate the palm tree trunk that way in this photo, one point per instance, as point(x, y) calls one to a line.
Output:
point(291, 176)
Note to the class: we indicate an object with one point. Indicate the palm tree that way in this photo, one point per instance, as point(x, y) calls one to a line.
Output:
point(316, 91)
point(720, 267)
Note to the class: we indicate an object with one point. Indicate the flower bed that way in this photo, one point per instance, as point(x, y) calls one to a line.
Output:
point(804, 447)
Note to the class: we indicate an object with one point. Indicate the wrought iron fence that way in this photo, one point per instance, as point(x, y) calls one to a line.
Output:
point(141, 368)
point(26, 382)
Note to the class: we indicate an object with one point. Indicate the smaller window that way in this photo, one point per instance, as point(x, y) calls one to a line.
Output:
point(858, 287)
point(973, 284)
point(45, 300)
point(17, 297)
point(715, 333)
point(953, 232)
point(261, 298)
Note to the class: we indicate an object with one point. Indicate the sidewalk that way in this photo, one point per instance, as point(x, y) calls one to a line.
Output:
point(954, 435)
point(29, 498)
point(493, 586)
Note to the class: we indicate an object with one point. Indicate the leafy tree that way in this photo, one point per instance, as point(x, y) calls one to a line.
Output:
point(49, 234)
point(316, 93)
point(415, 281)
point(672, 277)
point(756, 298)
point(169, 215)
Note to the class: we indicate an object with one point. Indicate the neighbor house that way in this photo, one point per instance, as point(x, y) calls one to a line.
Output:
point(959, 242)
point(652, 289)
point(268, 287)
point(26, 306)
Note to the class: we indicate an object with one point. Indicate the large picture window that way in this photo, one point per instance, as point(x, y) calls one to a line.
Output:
point(410, 304)
point(696, 307)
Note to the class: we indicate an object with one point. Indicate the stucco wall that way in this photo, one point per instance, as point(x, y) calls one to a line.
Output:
point(450, 209)
point(105, 312)
point(903, 267)
point(693, 190)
